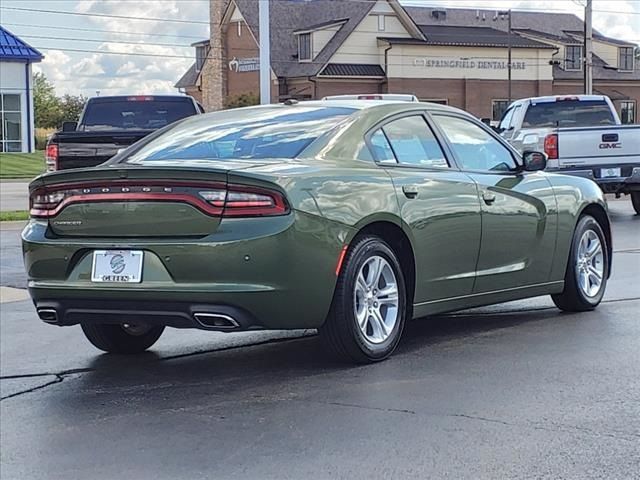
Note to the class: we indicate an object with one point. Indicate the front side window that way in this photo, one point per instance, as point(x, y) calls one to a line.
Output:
point(628, 112)
point(413, 143)
point(263, 133)
point(573, 57)
point(625, 62)
point(304, 47)
point(11, 128)
point(474, 147)
point(498, 107)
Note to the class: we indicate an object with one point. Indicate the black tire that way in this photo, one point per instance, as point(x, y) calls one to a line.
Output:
point(113, 338)
point(573, 299)
point(635, 201)
point(341, 334)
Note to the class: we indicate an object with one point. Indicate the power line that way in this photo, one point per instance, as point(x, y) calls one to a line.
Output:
point(199, 37)
point(106, 41)
point(105, 15)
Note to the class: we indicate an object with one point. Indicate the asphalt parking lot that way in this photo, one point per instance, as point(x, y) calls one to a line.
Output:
point(516, 390)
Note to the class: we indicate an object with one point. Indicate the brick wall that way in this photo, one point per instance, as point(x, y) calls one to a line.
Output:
point(213, 73)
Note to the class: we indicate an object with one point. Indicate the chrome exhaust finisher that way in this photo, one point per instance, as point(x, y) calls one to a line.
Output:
point(217, 321)
point(48, 315)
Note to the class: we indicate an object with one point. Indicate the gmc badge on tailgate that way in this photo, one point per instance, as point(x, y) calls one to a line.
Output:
point(605, 146)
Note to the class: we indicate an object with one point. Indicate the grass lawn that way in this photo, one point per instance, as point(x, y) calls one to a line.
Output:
point(15, 215)
point(21, 165)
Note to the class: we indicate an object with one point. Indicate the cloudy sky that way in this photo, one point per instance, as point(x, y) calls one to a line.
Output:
point(148, 50)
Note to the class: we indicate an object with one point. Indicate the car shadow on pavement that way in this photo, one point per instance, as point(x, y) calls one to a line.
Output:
point(281, 365)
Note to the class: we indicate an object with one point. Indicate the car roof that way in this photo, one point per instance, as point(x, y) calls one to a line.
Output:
point(555, 98)
point(369, 104)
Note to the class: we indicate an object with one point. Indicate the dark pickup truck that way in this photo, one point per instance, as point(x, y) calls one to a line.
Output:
point(110, 124)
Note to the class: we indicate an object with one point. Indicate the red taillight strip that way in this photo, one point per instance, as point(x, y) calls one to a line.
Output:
point(343, 253)
point(201, 204)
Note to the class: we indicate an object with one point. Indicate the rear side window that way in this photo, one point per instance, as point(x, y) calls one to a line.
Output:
point(272, 132)
point(135, 114)
point(568, 113)
point(411, 142)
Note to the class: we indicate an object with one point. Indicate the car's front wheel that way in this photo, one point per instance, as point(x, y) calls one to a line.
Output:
point(587, 270)
point(124, 338)
point(369, 306)
point(635, 201)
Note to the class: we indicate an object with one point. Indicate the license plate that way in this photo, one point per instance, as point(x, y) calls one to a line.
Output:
point(117, 266)
point(610, 172)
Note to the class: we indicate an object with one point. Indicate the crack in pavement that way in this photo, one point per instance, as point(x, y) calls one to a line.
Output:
point(60, 376)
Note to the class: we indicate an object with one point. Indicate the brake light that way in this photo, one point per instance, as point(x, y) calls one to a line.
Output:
point(51, 157)
point(140, 98)
point(369, 97)
point(566, 99)
point(216, 200)
point(551, 146)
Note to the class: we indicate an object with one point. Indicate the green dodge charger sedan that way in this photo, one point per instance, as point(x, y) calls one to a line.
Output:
point(351, 217)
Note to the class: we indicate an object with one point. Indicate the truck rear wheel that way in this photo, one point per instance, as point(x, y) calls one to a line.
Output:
point(635, 201)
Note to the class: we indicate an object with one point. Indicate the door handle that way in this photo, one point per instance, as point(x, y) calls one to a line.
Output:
point(410, 191)
point(488, 197)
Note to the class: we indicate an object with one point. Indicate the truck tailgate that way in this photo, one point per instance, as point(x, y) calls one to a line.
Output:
point(613, 145)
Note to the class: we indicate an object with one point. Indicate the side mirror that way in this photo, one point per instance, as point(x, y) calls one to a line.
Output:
point(69, 126)
point(533, 161)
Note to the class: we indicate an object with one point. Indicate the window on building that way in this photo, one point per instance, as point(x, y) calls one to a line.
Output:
point(498, 107)
point(573, 57)
point(11, 128)
point(304, 47)
point(439, 101)
point(625, 60)
point(201, 55)
point(381, 25)
point(628, 112)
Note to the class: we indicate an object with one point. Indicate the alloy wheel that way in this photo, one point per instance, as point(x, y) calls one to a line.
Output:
point(590, 264)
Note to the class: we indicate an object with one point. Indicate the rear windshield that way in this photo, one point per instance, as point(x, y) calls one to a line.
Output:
point(135, 114)
point(568, 113)
point(275, 132)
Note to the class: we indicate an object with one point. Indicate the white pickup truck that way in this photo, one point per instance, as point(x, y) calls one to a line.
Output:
point(582, 135)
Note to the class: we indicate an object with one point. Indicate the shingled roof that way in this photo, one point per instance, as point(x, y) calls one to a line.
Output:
point(14, 49)
point(287, 16)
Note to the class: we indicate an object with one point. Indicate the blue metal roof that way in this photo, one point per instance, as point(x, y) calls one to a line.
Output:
point(14, 49)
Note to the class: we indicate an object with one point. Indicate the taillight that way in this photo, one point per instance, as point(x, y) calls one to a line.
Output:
point(551, 146)
point(51, 157)
point(369, 97)
point(241, 201)
point(216, 200)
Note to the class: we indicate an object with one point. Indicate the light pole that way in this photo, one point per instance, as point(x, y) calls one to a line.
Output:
point(265, 52)
point(508, 13)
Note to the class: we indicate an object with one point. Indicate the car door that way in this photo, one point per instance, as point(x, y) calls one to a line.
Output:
point(519, 217)
point(438, 204)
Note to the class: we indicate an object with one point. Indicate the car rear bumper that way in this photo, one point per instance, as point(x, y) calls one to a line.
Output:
point(280, 276)
point(628, 181)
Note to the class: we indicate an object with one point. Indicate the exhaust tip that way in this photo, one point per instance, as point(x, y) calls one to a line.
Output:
point(218, 321)
point(48, 315)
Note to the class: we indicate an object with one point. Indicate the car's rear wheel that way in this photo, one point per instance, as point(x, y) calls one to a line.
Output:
point(587, 270)
point(635, 201)
point(369, 306)
point(123, 338)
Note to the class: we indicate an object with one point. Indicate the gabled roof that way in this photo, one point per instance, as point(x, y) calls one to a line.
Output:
point(289, 15)
point(320, 26)
point(14, 49)
point(189, 79)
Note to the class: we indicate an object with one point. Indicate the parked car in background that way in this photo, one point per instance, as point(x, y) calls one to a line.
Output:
point(347, 216)
point(582, 136)
point(108, 125)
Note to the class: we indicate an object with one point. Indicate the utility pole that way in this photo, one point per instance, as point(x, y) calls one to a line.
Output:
point(509, 57)
point(588, 48)
point(509, 33)
point(265, 52)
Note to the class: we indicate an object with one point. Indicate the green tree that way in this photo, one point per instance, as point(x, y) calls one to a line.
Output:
point(45, 103)
point(71, 107)
point(51, 110)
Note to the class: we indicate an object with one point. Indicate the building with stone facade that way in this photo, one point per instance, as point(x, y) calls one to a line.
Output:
point(447, 55)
